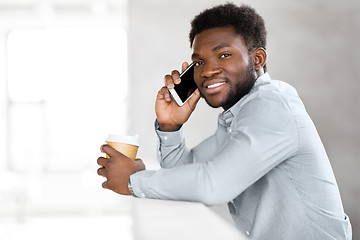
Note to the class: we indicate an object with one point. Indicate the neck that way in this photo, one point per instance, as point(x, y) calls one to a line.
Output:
point(259, 72)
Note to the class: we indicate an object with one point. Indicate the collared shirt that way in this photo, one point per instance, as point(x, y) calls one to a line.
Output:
point(265, 160)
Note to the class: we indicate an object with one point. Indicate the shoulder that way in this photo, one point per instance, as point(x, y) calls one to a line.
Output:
point(265, 86)
point(271, 103)
point(268, 92)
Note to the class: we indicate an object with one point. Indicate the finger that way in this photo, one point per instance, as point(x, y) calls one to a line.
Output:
point(184, 66)
point(194, 99)
point(105, 185)
point(169, 82)
point(109, 150)
point(160, 94)
point(164, 94)
point(102, 172)
point(139, 162)
point(176, 76)
point(101, 161)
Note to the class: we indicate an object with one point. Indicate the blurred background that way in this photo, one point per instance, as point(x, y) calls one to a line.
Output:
point(73, 71)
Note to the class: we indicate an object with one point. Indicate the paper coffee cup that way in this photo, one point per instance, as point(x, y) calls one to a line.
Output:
point(127, 145)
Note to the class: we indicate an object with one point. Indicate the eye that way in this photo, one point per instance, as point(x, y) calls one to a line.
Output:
point(199, 63)
point(225, 55)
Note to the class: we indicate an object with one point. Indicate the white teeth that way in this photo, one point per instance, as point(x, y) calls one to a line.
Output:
point(215, 85)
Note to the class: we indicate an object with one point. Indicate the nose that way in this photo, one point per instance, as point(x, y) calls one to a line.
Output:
point(209, 70)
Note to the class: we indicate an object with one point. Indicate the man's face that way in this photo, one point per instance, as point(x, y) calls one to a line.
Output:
point(224, 70)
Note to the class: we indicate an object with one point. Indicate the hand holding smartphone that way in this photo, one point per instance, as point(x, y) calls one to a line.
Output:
point(183, 91)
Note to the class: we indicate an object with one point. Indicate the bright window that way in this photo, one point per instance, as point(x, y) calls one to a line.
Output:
point(67, 91)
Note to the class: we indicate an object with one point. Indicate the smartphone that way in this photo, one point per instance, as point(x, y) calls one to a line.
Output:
point(185, 89)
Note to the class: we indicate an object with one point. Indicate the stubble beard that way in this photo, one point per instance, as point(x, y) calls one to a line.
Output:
point(239, 90)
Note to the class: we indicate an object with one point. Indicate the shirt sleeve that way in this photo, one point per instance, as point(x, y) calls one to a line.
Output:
point(171, 148)
point(264, 134)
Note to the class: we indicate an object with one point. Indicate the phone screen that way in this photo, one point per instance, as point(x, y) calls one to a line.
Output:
point(187, 85)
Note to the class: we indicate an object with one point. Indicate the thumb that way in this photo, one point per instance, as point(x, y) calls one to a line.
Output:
point(109, 150)
point(194, 99)
point(184, 66)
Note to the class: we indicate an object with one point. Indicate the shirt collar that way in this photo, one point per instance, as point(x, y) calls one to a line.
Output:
point(226, 117)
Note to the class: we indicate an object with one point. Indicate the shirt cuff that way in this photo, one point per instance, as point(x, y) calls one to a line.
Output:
point(169, 138)
point(139, 181)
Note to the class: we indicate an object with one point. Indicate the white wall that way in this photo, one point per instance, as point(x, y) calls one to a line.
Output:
point(3, 99)
point(311, 44)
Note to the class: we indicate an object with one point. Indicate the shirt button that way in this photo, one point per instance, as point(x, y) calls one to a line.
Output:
point(247, 233)
point(165, 138)
point(229, 130)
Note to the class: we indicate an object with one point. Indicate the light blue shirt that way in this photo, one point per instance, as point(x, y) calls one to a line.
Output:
point(265, 160)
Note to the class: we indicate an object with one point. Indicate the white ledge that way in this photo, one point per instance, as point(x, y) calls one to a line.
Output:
point(159, 219)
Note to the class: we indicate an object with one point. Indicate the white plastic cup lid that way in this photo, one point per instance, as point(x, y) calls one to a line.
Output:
point(132, 140)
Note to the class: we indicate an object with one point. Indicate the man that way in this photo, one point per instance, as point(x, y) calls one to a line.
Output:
point(265, 159)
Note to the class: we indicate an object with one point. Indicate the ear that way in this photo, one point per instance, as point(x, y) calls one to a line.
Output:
point(259, 56)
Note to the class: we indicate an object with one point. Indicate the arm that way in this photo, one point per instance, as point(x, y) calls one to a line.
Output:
point(170, 118)
point(265, 136)
point(171, 148)
point(118, 168)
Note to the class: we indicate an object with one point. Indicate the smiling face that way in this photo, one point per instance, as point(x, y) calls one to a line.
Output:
point(224, 70)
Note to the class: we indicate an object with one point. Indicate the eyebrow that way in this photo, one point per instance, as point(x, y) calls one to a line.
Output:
point(223, 45)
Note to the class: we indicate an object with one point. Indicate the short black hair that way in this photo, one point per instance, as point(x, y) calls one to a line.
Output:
point(244, 19)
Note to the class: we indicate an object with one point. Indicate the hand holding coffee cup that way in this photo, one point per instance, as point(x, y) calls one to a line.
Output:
point(120, 162)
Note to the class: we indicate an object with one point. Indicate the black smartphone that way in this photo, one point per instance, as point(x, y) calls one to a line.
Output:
point(185, 89)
